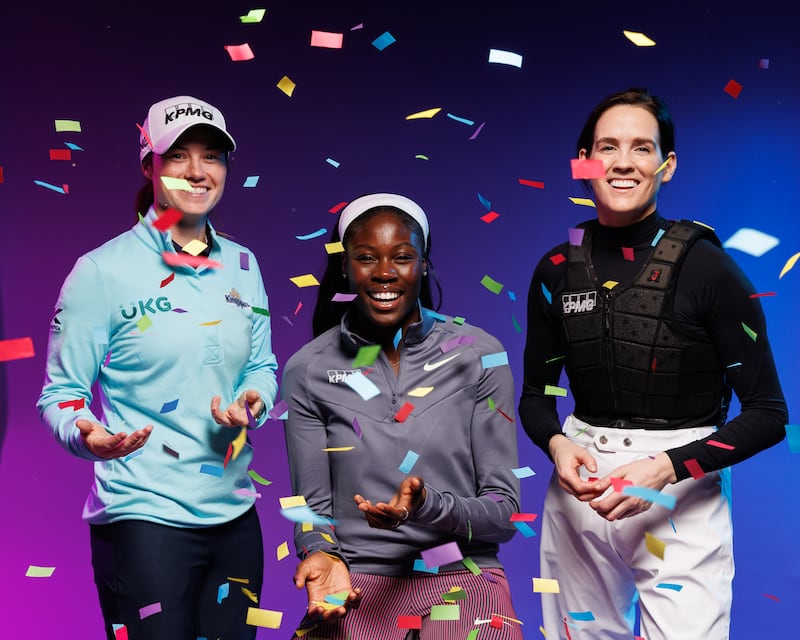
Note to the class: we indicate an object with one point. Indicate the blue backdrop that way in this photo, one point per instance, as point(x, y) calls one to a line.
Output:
point(344, 131)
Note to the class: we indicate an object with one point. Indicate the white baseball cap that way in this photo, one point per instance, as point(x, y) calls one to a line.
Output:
point(168, 119)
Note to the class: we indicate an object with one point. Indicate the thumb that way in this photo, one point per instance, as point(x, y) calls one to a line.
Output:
point(84, 426)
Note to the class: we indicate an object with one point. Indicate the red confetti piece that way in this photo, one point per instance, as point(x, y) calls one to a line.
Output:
point(337, 207)
point(60, 154)
point(762, 295)
point(409, 622)
point(490, 217)
point(587, 169)
point(1, 175)
point(146, 136)
point(653, 364)
point(167, 280)
point(620, 483)
point(523, 517)
point(733, 88)
point(566, 629)
point(228, 455)
point(80, 403)
point(496, 623)
point(531, 183)
point(121, 633)
point(65, 187)
point(627, 253)
point(239, 52)
point(167, 219)
point(16, 349)
point(404, 412)
point(771, 597)
point(504, 414)
point(694, 468)
point(558, 258)
point(721, 445)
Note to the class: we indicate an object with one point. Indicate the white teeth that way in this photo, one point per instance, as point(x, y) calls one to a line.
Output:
point(623, 183)
point(198, 190)
point(384, 296)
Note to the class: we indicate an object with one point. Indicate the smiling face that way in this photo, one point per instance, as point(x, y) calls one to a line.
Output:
point(626, 140)
point(199, 157)
point(384, 263)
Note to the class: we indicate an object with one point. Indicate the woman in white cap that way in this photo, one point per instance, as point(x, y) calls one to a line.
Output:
point(171, 320)
point(401, 441)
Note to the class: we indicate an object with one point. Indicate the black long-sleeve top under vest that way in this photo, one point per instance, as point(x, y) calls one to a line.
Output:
point(715, 320)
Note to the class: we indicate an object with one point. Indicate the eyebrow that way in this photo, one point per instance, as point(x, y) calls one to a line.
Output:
point(364, 245)
point(636, 141)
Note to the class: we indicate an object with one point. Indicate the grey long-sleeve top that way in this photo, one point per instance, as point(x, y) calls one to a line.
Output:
point(460, 427)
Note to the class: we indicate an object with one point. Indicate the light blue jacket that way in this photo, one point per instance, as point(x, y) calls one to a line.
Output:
point(160, 341)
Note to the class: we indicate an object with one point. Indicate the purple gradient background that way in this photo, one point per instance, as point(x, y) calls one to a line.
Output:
point(104, 63)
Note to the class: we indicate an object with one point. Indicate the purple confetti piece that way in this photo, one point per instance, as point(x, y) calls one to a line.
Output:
point(357, 427)
point(488, 576)
point(149, 610)
point(179, 310)
point(278, 410)
point(477, 131)
point(442, 554)
point(107, 359)
point(575, 237)
point(247, 493)
point(244, 261)
point(251, 421)
point(343, 297)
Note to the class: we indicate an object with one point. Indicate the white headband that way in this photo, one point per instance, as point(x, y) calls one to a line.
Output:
point(373, 200)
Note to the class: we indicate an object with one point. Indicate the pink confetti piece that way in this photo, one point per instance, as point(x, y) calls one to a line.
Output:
point(721, 445)
point(149, 610)
point(239, 52)
point(587, 169)
point(575, 236)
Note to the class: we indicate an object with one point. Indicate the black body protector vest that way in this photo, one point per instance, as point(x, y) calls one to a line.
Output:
point(628, 363)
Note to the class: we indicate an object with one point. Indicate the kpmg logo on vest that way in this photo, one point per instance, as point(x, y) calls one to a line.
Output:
point(581, 302)
point(186, 109)
point(335, 376)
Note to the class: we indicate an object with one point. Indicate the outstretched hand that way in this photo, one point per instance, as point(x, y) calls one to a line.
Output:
point(105, 445)
point(323, 575)
point(236, 414)
point(389, 515)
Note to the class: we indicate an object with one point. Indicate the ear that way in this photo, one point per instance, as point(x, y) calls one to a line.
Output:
point(582, 154)
point(147, 167)
point(672, 166)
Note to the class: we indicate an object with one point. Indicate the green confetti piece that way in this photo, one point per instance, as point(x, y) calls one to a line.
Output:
point(469, 563)
point(453, 596)
point(551, 390)
point(492, 405)
point(259, 478)
point(445, 612)
point(753, 335)
point(469, 531)
point(366, 356)
point(517, 328)
point(259, 310)
point(491, 285)
point(420, 156)
point(39, 572)
point(473, 635)
point(549, 360)
point(459, 320)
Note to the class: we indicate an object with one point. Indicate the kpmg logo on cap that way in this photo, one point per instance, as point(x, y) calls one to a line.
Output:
point(172, 113)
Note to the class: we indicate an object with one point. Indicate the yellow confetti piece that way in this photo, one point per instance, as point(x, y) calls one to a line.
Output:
point(68, 125)
point(552, 390)
point(286, 85)
point(39, 572)
point(424, 114)
point(420, 392)
point(282, 551)
point(144, 323)
point(610, 284)
point(241, 580)
point(703, 224)
point(195, 247)
point(334, 247)
point(326, 537)
point(338, 448)
point(586, 202)
point(238, 443)
point(210, 323)
point(639, 39)
point(662, 167)
point(545, 585)
point(509, 618)
point(288, 502)
point(752, 334)
point(542, 631)
point(789, 264)
point(307, 280)
point(306, 527)
point(250, 594)
point(654, 545)
point(181, 184)
point(264, 618)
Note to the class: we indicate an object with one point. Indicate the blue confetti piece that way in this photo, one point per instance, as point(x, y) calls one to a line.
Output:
point(547, 295)
point(212, 470)
point(672, 524)
point(397, 336)
point(169, 406)
point(584, 616)
point(735, 364)
point(657, 238)
point(383, 41)
point(512, 296)
point(409, 461)
point(462, 120)
point(793, 437)
point(419, 565)
point(332, 599)
point(486, 203)
point(73, 146)
point(250, 181)
point(47, 185)
point(131, 456)
point(332, 162)
point(313, 234)
point(436, 316)
point(651, 495)
point(523, 472)
point(223, 591)
point(669, 585)
point(525, 529)
point(494, 359)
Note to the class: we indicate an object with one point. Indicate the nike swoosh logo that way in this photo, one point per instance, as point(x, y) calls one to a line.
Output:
point(430, 367)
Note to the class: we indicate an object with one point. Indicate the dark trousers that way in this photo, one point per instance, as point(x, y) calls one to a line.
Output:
point(193, 575)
